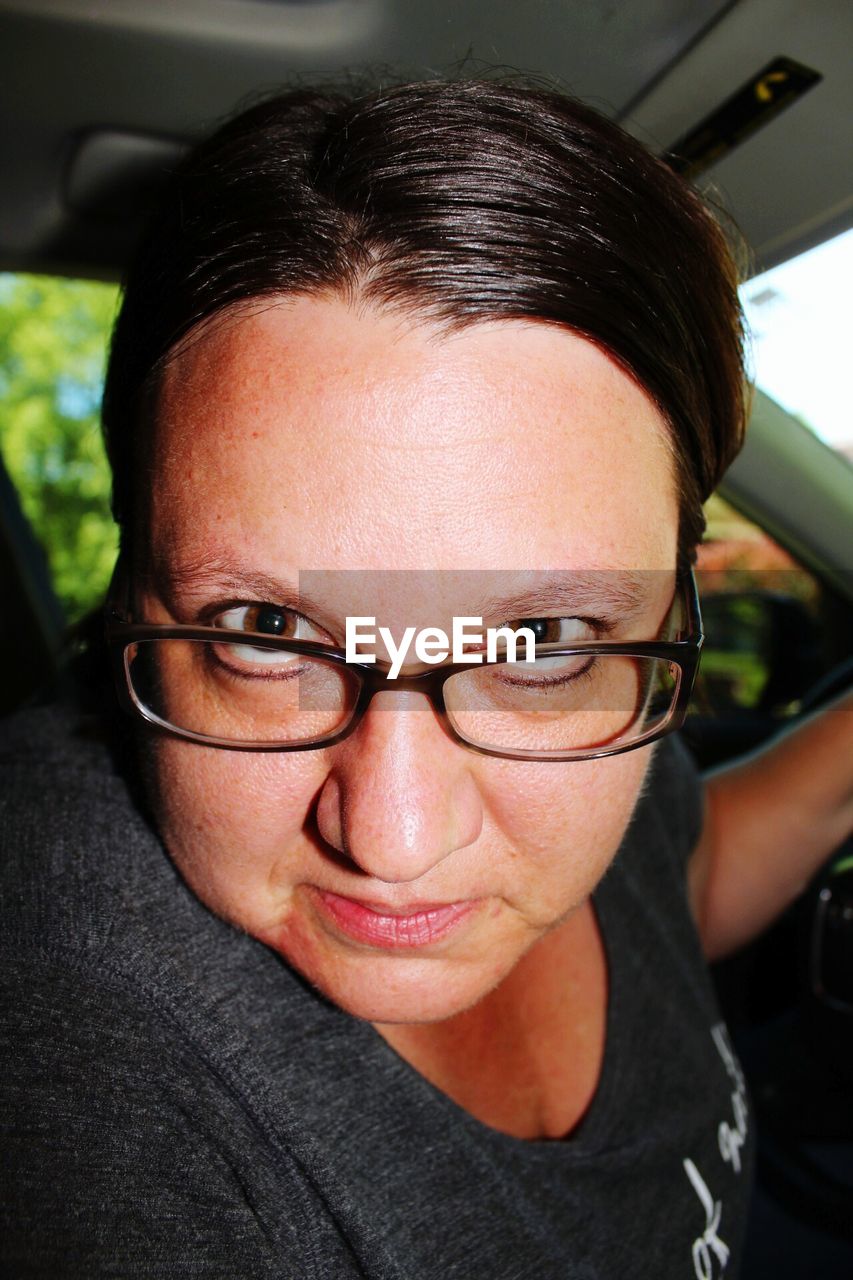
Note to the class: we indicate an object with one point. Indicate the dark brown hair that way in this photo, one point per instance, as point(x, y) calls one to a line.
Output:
point(458, 202)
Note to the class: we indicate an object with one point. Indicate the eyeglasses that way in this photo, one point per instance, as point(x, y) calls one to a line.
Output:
point(252, 692)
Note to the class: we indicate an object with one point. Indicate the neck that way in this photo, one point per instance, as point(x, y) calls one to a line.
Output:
point(526, 1058)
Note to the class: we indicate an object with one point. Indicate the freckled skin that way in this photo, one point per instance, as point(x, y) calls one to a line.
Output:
point(311, 434)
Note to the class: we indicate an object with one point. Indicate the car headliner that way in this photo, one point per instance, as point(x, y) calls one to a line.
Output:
point(98, 99)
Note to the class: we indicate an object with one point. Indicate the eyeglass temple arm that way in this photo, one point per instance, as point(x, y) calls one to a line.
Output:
point(694, 611)
point(117, 602)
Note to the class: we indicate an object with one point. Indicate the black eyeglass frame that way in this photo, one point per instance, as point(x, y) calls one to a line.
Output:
point(373, 678)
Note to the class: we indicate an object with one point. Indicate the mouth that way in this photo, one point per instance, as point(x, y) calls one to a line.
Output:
point(379, 925)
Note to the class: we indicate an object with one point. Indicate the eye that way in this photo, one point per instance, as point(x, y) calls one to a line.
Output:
point(270, 620)
point(564, 631)
point(264, 619)
point(557, 630)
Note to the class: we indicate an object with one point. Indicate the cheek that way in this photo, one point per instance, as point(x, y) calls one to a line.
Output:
point(564, 822)
point(233, 822)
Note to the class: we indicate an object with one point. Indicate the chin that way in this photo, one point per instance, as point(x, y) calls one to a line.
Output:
point(417, 1007)
point(392, 988)
point(414, 986)
point(422, 1010)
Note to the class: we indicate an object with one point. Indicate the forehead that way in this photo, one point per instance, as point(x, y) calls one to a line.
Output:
point(315, 434)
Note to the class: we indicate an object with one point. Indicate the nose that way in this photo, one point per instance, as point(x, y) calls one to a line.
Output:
point(400, 796)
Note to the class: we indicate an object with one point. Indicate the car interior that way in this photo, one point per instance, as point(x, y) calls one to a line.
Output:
point(752, 100)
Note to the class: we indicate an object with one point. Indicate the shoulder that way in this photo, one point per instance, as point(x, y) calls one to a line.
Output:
point(144, 1098)
point(88, 889)
point(669, 811)
point(654, 856)
point(72, 840)
point(86, 882)
point(123, 1148)
point(54, 755)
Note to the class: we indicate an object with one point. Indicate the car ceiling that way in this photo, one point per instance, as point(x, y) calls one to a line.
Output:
point(98, 97)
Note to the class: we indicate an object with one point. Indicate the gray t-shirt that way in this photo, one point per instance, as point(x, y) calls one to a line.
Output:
point(175, 1101)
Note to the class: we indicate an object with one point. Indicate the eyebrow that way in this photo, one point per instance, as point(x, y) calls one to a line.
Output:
point(226, 577)
point(609, 594)
point(616, 594)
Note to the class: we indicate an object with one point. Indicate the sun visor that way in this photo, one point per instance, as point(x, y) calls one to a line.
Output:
point(113, 175)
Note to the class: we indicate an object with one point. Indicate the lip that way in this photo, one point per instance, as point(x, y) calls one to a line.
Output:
point(381, 926)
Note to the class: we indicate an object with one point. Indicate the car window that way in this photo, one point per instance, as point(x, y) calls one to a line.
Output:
point(773, 631)
point(53, 339)
point(799, 319)
point(762, 619)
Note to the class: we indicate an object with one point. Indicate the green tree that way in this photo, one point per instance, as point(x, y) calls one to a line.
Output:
point(53, 340)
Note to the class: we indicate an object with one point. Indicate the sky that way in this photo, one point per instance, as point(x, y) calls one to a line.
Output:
point(800, 317)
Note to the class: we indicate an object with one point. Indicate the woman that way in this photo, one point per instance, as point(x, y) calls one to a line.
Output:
point(401, 979)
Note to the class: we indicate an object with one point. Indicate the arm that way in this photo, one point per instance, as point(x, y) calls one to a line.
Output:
point(771, 819)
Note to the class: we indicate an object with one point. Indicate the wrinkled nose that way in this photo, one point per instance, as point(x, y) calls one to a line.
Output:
point(400, 796)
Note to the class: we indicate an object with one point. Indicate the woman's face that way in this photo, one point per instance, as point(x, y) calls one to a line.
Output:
point(402, 874)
